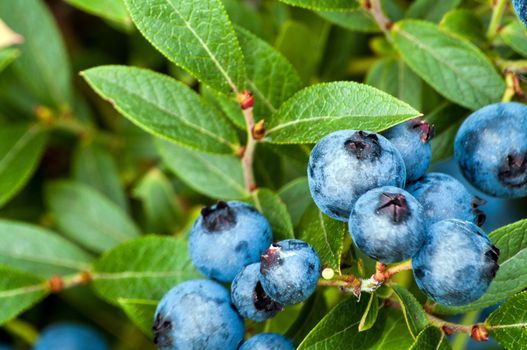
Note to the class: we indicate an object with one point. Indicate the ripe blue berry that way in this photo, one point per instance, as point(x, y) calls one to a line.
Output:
point(412, 139)
point(289, 271)
point(387, 224)
point(520, 7)
point(197, 315)
point(444, 197)
point(249, 297)
point(491, 149)
point(266, 341)
point(226, 237)
point(456, 264)
point(347, 163)
point(70, 336)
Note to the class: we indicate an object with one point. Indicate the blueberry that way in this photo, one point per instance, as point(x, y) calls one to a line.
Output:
point(266, 341)
point(491, 149)
point(520, 7)
point(347, 163)
point(249, 297)
point(444, 197)
point(456, 264)
point(197, 315)
point(412, 139)
point(387, 224)
point(226, 237)
point(70, 336)
point(289, 271)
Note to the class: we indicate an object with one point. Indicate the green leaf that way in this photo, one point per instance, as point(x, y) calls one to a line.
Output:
point(508, 324)
point(327, 5)
point(394, 77)
point(21, 147)
point(145, 268)
point(159, 201)
point(229, 106)
point(511, 277)
point(196, 35)
point(431, 338)
point(358, 20)
point(320, 109)
point(95, 166)
point(275, 211)
point(443, 144)
point(370, 314)
point(464, 23)
point(217, 176)
point(296, 197)
point(141, 312)
point(39, 251)
point(43, 66)
point(339, 330)
point(270, 77)
point(324, 234)
point(431, 10)
point(414, 314)
point(313, 310)
point(515, 35)
point(18, 292)
point(7, 56)
point(87, 217)
point(452, 66)
point(113, 10)
point(164, 107)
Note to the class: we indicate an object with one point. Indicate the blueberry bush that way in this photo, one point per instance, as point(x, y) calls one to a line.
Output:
point(263, 174)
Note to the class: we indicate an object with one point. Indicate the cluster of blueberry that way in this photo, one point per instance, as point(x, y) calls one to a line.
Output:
point(232, 242)
point(395, 211)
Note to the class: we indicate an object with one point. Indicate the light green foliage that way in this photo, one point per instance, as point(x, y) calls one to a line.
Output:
point(324, 4)
point(515, 35)
point(141, 312)
point(431, 10)
point(113, 10)
point(296, 197)
point(431, 338)
point(464, 23)
point(7, 56)
point(357, 20)
point(508, 324)
point(370, 314)
point(275, 211)
point(414, 314)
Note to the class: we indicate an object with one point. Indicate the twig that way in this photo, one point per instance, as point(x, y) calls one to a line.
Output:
point(246, 103)
point(375, 8)
point(498, 8)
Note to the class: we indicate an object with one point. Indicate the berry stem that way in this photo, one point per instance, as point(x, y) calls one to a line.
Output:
point(498, 8)
point(448, 327)
point(510, 90)
point(248, 153)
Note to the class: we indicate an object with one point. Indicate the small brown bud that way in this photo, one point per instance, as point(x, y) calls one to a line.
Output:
point(85, 277)
point(246, 100)
point(447, 330)
point(56, 284)
point(479, 333)
point(258, 131)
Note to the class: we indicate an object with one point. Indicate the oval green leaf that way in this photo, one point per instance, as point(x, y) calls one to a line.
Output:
point(275, 211)
point(431, 338)
point(112, 10)
point(141, 312)
point(324, 5)
point(508, 324)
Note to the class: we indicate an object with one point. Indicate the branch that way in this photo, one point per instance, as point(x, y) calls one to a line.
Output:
point(498, 8)
point(375, 8)
point(246, 103)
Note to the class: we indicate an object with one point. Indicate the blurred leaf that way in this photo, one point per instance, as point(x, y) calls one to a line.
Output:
point(268, 167)
point(217, 176)
point(275, 211)
point(245, 15)
point(39, 251)
point(229, 106)
point(270, 77)
point(159, 201)
point(359, 20)
point(414, 314)
point(141, 312)
point(511, 277)
point(370, 314)
point(43, 65)
point(296, 197)
point(431, 338)
point(324, 234)
point(196, 35)
point(7, 56)
point(164, 107)
point(394, 77)
point(464, 23)
point(87, 217)
point(113, 10)
point(454, 67)
point(346, 105)
point(431, 10)
point(313, 310)
point(18, 292)
point(95, 166)
point(508, 324)
point(21, 147)
point(324, 4)
point(443, 143)
point(515, 35)
point(145, 268)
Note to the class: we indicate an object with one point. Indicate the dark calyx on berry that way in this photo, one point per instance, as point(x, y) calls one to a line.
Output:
point(161, 328)
point(363, 145)
point(271, 257)
point(481, 217)
point(394, 205)
point(218, 217)
point(262, 302)
point(513, 171)
point(492, 255)
point(427, 131)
